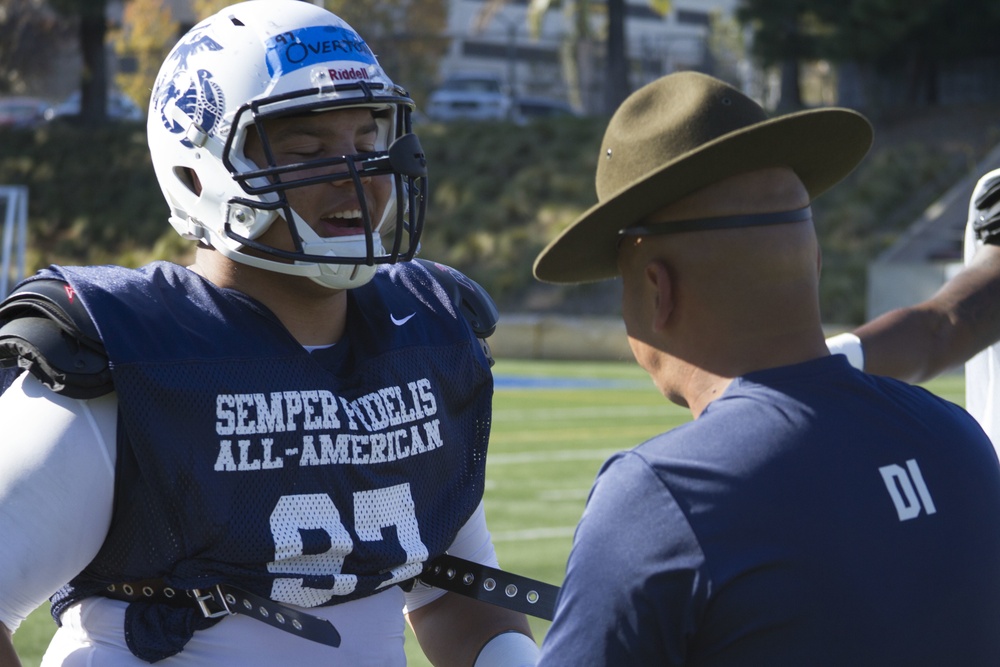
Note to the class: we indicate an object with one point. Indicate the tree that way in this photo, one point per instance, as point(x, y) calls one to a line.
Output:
point(92, 28)
point(616, 84)
point(911, 41)
point(577, 44)
point(727, 47)
point(893, 40)
point(148, 33)
point(204, 8)
point(785, 34)
point(407, 36)
point(578, 38)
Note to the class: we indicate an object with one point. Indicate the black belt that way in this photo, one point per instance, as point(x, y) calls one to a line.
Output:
point(449, 573)
point(489, 584)
point(223, 600)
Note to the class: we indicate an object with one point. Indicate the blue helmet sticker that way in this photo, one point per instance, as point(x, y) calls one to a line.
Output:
point(193, 94)
point(296, 49)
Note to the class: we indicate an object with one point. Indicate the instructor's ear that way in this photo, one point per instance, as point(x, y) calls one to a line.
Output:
point(657, 275)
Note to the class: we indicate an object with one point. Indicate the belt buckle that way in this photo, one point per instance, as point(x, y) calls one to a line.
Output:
point(213, 595)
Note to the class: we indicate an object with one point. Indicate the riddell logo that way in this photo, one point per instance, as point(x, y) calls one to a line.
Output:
point(350, 74)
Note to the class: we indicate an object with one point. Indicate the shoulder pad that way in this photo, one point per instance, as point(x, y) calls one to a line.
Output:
point(986, 217)
point(470, 299)
point(45, 329)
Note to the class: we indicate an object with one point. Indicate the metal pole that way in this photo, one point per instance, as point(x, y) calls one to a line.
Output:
point(15, 227)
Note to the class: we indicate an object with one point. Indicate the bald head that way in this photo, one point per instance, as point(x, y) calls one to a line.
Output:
point(725, 301)
point(769, 250)
point(760, 191)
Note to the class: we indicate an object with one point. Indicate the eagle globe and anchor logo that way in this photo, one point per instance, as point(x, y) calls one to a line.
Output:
point(195, 96)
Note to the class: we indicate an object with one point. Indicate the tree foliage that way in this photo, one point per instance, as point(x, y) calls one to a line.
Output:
point(90, 17)
point(911, 41)
point(783, 29)
point(147, 35)
point(577, 41)
point(406, 35)
point(889, 37)
point(890, 32)
point(409, 37)
point(786, 34)
point(204, 8)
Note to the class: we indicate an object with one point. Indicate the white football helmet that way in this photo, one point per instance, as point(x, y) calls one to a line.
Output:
point(273, 58)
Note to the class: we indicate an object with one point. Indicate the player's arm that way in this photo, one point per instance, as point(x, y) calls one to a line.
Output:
point(919, 342)
point(56, 492)
point(57, 460)
point(7, 656)
point(960, 320)
point(455, 630)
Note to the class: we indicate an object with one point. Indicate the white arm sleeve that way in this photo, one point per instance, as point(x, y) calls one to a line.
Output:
point(849, 345)
point(57, 470)
point(473, 543)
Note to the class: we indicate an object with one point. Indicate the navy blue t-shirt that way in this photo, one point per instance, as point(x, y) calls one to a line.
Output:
point(812, 515)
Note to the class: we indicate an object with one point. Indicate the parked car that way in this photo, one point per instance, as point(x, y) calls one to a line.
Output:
point(527, 109)
point(120, 107)
point(22, 112)
point(472, 97)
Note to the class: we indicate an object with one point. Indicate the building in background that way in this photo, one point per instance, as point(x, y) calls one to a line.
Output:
point(555, 63)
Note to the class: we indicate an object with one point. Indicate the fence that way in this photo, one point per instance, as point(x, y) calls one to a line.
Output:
point(15, 233)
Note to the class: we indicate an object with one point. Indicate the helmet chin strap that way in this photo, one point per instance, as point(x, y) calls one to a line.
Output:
point(332, 275)
point(338, 276)
point(343, 276)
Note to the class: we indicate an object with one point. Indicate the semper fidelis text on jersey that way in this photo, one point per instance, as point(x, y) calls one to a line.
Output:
point(309, 477)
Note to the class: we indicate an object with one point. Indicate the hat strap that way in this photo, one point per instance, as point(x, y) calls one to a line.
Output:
point(722, 222)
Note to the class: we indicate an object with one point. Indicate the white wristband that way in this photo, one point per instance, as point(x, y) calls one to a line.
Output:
point(510, 649)
point(848, 345)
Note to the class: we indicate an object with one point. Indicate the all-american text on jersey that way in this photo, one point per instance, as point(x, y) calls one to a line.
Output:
point(396, 422)
point(327, 449)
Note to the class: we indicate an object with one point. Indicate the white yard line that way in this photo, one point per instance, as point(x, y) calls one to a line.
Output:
point(586, 411)
point(507, 458)
point(530, 534)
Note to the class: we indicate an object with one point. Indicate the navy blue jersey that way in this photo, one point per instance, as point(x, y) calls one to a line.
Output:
point(310, 478)
point(812, 515)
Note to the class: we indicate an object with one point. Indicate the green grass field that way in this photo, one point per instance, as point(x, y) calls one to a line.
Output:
point(548, 442)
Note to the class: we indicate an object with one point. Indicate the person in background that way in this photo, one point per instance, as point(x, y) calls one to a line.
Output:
point(959, 324)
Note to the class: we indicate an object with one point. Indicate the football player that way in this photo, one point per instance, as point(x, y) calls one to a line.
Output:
point(281, 434)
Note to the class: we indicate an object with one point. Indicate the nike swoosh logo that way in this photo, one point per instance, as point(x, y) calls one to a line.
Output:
point(401, 321)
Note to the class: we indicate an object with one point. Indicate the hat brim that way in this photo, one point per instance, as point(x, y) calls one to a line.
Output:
point(821, 146)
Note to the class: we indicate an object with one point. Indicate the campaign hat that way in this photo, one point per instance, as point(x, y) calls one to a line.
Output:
point(681, 133)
